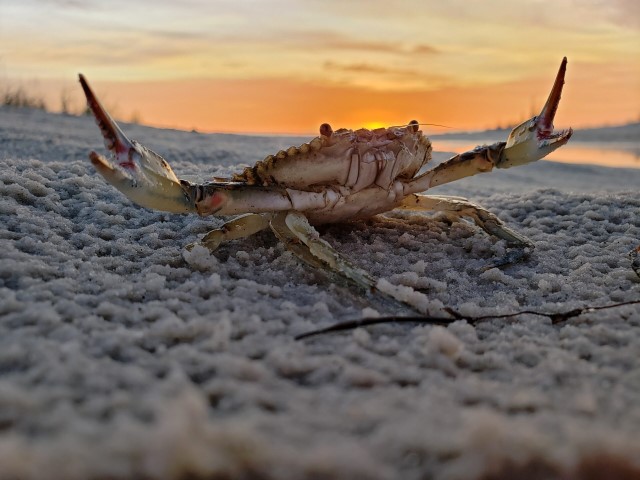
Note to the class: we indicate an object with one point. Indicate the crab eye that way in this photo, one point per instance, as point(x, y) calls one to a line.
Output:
point(326, 130)
point(414, 125)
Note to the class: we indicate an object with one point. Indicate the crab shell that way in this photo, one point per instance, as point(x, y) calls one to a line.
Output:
point(345, 158)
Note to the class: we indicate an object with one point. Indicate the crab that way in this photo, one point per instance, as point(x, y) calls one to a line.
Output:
point(340, 175)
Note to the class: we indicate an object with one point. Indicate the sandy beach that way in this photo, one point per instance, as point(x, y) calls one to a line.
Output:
point(124, 356)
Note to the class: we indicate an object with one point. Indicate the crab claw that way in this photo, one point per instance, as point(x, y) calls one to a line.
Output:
point(141, 174)
point(535, 138)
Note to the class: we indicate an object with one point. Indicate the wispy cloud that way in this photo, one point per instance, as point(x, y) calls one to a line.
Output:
point(626, 12)
point(391, 77)
point(368, 68)
point(334, 40)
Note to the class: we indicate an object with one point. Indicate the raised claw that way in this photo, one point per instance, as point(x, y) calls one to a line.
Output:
point(528, 142)
point(535, 138)
point(141, 174)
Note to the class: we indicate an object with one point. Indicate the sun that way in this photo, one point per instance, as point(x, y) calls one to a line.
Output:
point(374, 125)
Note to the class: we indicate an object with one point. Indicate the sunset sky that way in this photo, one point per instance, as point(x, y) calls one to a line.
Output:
point(285, 66)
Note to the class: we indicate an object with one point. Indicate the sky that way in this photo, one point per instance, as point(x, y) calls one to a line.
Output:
point(286, 66)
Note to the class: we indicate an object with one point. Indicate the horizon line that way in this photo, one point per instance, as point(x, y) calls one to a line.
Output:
point(159, 126)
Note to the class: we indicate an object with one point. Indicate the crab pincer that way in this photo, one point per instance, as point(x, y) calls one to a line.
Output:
point(138, 172)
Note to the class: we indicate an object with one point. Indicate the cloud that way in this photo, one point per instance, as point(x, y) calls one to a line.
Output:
point(368, 68)
point(84, 5)
point(424, 49)
point(626, 12)
point(173, 35)
point(329, 39)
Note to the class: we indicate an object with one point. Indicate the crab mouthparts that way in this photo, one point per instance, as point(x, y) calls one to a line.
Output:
point(548, 113)
point(114, 140)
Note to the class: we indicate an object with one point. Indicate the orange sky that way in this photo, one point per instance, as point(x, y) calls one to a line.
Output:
point(285, 66)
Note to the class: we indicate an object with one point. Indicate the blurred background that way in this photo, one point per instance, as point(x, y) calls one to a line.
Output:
point(285, 66)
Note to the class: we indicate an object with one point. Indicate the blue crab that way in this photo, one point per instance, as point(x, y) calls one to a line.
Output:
point(339, 175)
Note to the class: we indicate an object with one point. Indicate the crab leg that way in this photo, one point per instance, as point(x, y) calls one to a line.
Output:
point(479, 160)
point(635, 259)
point(456, 207)
point(294, 225)
point(301, 239)
point(293, 243)
point(234, 198)
point(528, 142)
point(240, 227)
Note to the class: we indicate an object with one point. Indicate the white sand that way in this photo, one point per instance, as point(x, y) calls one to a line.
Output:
point(121, 359)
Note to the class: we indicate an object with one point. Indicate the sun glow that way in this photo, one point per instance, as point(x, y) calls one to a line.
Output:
point(374, 125)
